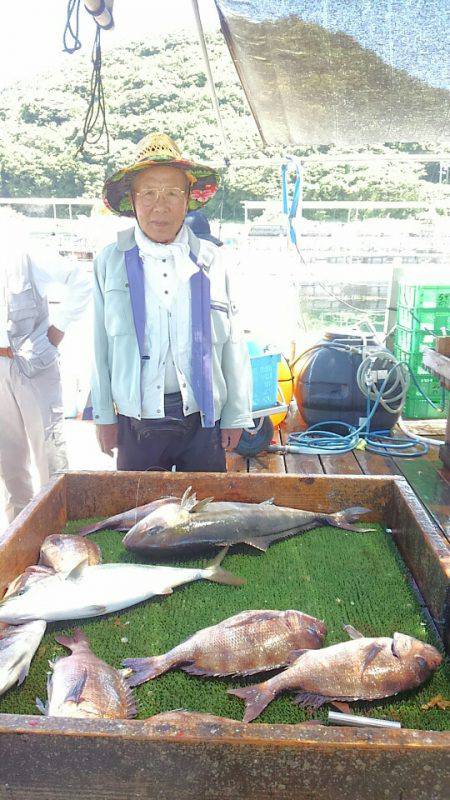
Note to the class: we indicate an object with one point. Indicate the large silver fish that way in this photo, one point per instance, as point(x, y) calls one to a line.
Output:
point(362, 669)
point(188, 525)
point(92, 591)
point(82, 685)
point(249, 642)
point(18, 644)
point(125, 520)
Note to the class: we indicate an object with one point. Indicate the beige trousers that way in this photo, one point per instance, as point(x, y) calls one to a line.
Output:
point(31, 418)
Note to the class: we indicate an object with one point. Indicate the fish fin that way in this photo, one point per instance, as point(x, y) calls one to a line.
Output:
point(258, 542)
point(130, 704)
point(256, 698)
point(188, 499)
point(214, 572)
point(295, 654)
point(23, 673)
point(70, 641)
point(371, 653)
point(310, 700)
point(269, 502)
point(192, 669)
point(76, 571)
point(395, 652)
point(344, 708)
point(40, 706)
point(145, 669)
point(343, 519)
point(75, 693)
point(352, 632)
point(96, 611)
point(201, 505)
point(251, 616)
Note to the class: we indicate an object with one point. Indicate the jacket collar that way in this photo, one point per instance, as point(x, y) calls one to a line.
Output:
point(203, 250)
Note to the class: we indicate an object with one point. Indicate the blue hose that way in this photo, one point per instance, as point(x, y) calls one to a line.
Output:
point(319, 439)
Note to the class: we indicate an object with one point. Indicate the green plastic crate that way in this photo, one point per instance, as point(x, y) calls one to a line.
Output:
point(417, 296)
point(413, 342)
point(416, 407)
point(424, 319)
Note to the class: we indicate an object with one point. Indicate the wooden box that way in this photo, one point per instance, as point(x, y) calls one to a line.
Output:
point(64, 759)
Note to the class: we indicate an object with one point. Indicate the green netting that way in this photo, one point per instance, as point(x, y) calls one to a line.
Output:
point(332, 574)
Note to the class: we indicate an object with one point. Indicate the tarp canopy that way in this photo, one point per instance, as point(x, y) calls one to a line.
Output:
point(345, 72)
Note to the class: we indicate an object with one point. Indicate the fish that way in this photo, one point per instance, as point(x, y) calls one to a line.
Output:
point(190, 525)
point(29, 576)
point(361, 669)
point(18, 644)
point(82, 685)
point(249, 642)
point(92, 591)
point(125, 520)
point(63, 552)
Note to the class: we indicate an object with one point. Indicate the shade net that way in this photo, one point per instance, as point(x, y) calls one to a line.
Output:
point(344, 72)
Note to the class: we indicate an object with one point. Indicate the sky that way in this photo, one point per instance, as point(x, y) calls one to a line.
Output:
point(31, 31)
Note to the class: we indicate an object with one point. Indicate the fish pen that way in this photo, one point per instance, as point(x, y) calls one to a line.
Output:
point(394, 578)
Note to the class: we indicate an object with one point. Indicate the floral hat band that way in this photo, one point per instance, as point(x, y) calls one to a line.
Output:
point(158, 149)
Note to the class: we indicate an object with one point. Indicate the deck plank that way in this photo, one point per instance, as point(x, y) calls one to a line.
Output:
point(343, 464)
point(236, 463)
point(267, 462)
point(298, 463)
point(374, 464)
point(428, 479)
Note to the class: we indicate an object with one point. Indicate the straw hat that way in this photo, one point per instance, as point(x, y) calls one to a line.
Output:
point(158, 149)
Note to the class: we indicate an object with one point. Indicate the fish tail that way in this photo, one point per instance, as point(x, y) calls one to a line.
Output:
point(71, 641)
point(91, 529)
point(344, 519)
point(145, 669)
point(214, 572)
point(256, 699)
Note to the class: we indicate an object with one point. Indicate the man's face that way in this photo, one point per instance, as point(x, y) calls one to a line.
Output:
point(160, 196)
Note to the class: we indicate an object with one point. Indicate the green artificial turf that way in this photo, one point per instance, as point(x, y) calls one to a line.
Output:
point(335, 575)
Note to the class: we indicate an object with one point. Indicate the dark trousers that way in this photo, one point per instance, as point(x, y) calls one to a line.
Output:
point(174, 440)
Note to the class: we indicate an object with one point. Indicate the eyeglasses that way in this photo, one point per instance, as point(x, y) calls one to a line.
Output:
point(171, 194)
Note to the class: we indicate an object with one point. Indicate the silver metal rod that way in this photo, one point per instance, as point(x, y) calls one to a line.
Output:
point(352, 720)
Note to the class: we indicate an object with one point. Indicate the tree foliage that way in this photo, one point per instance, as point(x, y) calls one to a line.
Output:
point(161, 85)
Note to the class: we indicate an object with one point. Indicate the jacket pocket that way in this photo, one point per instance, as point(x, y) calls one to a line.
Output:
point(118, 312)
point(220, 323)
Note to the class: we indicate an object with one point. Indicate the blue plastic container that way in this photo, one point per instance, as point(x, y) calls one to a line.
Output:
point(264, 364)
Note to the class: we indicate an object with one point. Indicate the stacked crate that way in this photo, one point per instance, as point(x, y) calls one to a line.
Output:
point(423, 312)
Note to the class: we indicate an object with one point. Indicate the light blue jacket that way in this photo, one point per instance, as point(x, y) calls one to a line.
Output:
point(116, 383)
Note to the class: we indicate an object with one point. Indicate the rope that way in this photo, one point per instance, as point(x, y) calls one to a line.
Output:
point(95, 125)
point(72, 27)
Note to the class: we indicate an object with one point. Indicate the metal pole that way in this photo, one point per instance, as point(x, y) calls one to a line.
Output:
point(209, 75)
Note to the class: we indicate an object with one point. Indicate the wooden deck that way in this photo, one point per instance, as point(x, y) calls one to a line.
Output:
point(426, 475)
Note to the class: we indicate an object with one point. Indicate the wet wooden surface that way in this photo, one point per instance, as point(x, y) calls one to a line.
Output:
point(427, 475)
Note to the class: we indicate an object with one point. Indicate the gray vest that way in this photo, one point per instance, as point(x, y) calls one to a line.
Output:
point(28, 322)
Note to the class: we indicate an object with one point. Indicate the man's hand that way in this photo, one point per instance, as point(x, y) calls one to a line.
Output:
point(230, 438)
point(55, 336)
point(107, 438)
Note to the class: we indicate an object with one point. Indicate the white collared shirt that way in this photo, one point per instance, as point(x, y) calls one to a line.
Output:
point(167, 271)
point(47, 268)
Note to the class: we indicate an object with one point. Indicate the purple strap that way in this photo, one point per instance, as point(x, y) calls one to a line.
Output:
point(135, 273)
point(201, 364)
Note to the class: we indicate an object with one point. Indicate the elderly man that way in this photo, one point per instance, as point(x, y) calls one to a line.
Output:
point(31, 410)
point(172, 378)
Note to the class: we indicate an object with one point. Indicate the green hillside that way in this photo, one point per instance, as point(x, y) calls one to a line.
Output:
point(161, 85)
